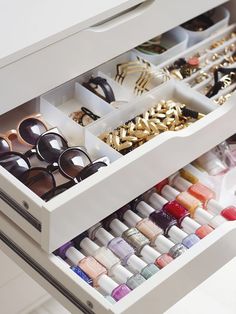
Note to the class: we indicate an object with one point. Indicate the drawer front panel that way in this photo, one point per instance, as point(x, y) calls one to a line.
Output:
point(47, 68)
point(191, 269)
point(80, 207)
point(129, 176)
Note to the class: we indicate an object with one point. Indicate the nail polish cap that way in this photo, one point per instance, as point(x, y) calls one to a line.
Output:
point(131, 218)
point(93, 230)
point(217, 220)
point(62, 250)
point(163, 244)
point(89, 246)
point(189, 225)
point(157, 201)
point(147, 194)
point(181, 184)
point(172, 177)
point(106, 222)
point(74, 255)
point(214, 207)
point(135, 263)
point(169, 193)
point(121, 212)
point(118, 227)
point(144, 209)
point(104, 236)
point(107, 284)
point(211, 163)
point(195, 171)
point(202, 176)
point(120, 273)
point(176, 234)
point(149, 254)
point(202, 216)
point(159, 186)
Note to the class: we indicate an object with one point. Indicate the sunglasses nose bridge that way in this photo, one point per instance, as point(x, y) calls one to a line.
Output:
point(11, 135)
point(52, 167)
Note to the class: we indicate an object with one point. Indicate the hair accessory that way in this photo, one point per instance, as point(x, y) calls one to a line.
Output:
point(95, 82)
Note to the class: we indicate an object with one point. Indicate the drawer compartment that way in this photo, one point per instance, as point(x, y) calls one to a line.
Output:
point(101, 37)
point(191, 268)
point(57, 221)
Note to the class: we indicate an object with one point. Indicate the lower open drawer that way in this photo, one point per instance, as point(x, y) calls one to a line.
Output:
point(172, 282)
point(157, 294)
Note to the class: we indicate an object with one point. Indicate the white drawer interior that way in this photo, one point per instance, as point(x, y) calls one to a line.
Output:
point(67, 208)
point(46, 221)
point(191, 268)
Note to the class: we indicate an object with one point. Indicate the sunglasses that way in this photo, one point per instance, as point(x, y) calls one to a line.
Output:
point(27, 132)
point(72, 162)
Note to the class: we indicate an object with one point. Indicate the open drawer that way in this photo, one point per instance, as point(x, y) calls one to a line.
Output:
point(190, 269)
point(55, 222)
point(40, 56)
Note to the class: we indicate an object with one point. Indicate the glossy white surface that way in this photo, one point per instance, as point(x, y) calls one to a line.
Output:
point(25, 23)
point(215, 295)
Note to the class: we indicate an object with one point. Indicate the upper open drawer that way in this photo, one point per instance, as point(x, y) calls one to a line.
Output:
point(41, 52)
point(55, 222)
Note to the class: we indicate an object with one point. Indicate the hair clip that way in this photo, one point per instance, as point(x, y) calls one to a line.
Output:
point(93, 84)
point(225, 81)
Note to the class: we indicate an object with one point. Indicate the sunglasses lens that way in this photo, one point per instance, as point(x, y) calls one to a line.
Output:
point(30, 129)
point(73, 161)
point(14, 163)
point(50, 146)
point(91, 169)
point(4, 146)
point(40, 181)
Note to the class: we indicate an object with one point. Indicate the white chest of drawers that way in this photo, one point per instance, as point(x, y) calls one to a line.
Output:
point(47, 44)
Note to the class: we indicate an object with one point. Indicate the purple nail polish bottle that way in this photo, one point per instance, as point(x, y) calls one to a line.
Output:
point(119, 292)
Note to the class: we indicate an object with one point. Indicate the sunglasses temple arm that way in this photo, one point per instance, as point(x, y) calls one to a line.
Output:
point(57, 190)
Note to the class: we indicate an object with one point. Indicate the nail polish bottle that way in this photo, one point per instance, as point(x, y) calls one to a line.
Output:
point(78, 271)
point(146, 211)
point(211, 163)
point(168, 224)
point(94, 270)
point(112, 263)
point(193, 206)
point(194, 175)
point(153, 234)
point(229, 213)
point(136, 239)
point(181, 214)
point(206, 196)
point(198, 190)
point(122, 249)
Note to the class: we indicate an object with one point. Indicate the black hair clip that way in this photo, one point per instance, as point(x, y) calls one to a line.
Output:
point(94, 82)
point(222, 83)
point(191, 113)
point(90, 113)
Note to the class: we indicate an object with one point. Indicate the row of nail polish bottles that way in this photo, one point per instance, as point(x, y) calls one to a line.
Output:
point(133, 244)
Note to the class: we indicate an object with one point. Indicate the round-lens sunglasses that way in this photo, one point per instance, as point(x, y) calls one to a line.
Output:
point(72, 162)
point(27, 132)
